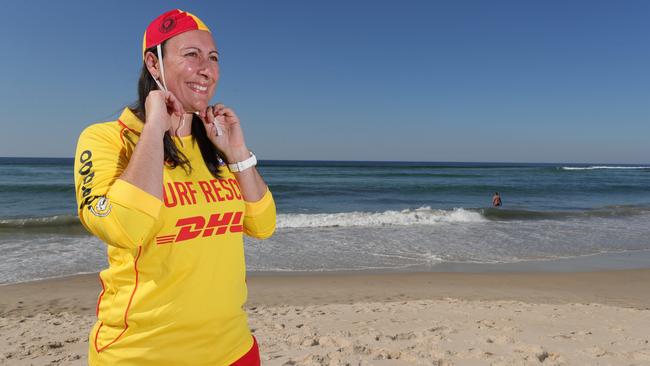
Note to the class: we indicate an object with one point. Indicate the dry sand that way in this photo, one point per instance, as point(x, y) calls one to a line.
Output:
point(592, 318)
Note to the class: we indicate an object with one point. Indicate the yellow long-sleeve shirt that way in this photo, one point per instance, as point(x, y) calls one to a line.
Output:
point(175, 286)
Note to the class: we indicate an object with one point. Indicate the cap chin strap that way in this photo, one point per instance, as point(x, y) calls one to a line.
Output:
point(163, 87)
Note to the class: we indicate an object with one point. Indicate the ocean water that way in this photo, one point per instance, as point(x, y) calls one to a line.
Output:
point(348, 216)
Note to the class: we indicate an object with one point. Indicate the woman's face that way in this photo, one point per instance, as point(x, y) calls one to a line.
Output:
point(191, 68)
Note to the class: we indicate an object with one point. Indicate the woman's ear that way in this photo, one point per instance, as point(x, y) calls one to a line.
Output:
point(151, 61)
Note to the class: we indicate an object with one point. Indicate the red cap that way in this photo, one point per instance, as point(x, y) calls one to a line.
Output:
point(168, 25)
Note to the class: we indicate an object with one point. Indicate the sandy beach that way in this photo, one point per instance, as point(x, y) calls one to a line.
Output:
point(584, 318)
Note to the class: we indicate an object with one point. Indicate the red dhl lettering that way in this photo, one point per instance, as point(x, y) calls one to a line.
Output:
point(195, 226)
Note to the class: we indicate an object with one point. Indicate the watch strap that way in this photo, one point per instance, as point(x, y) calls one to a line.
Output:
point(243, 165)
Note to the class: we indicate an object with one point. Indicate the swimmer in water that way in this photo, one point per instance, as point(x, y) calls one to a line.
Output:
point(496, 200)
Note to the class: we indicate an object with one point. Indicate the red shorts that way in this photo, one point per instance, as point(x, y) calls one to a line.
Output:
point(251, 358)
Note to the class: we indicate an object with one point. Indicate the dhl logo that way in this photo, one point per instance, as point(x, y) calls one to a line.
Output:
point(195, 226)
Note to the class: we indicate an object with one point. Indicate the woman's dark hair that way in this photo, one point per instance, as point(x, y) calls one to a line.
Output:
point(174, 157)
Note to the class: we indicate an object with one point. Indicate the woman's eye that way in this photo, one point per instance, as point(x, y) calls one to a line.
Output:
point(192, 54)
point(214, 58)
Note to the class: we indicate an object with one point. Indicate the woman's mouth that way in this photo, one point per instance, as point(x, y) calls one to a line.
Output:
point(198, 88)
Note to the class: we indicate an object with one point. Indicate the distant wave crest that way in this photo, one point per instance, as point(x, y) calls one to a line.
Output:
point(596, 167)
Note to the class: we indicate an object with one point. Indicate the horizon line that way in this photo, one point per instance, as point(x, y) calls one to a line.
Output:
point(388, 161)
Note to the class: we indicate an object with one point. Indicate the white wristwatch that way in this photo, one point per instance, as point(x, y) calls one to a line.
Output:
point(243, 165)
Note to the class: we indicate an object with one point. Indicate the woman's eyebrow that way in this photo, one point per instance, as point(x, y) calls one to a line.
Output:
point(198, 49)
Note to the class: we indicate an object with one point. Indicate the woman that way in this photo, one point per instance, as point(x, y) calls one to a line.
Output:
point(153, 185)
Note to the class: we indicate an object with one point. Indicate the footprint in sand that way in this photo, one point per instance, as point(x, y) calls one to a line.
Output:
point(441, 329)
point(598, 352)
point(573, 334)
point(483, 323)
point(479, 354)
point(500, 339)
point(643, 355)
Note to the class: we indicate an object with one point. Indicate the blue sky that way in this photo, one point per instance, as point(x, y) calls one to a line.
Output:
point(512, 81)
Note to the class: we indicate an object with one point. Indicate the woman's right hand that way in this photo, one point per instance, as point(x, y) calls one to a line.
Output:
point(159, 108)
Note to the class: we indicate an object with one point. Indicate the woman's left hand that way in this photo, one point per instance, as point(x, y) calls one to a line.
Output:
point(231, 138)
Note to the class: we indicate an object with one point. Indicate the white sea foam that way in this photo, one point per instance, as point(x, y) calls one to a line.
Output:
point(419, 216)
point(56, 220)
point(602, 167)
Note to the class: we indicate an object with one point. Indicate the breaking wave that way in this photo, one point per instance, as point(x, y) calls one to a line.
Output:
point(596, 167)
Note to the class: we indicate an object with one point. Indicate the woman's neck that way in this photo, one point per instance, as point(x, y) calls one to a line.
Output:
point(179, 128)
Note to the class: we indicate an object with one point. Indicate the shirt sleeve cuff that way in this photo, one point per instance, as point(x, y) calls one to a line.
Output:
point(257, 207)
point(128, 195)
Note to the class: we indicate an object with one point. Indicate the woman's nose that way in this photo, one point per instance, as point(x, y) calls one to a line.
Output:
point(207, 69)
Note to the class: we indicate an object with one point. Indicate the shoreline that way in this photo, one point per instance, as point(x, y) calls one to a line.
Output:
point(612, 261)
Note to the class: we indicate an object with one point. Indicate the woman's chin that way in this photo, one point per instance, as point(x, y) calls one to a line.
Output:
point(196, 107)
